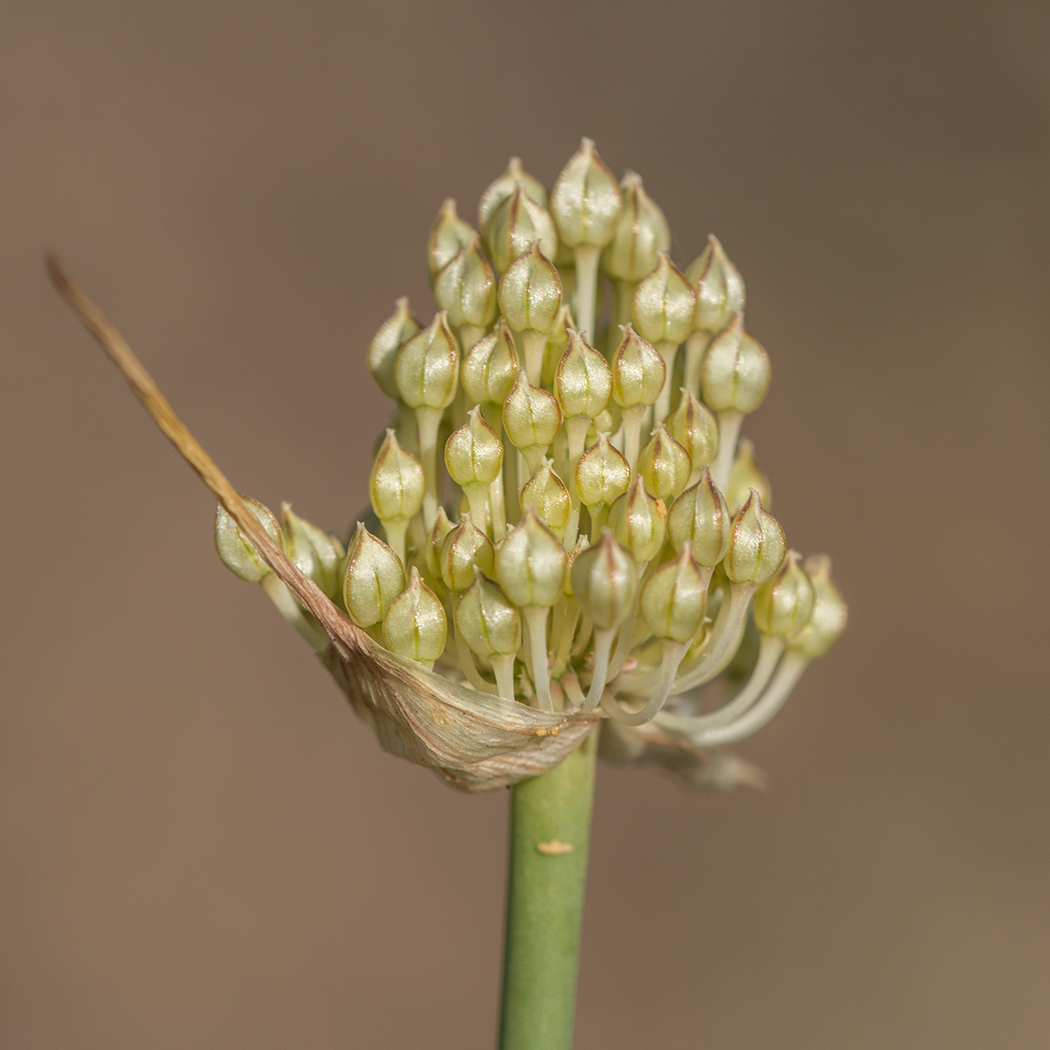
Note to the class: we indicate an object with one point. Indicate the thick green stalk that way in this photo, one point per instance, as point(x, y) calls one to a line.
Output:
point(549, 835)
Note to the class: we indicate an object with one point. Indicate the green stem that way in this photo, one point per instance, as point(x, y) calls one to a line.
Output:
point(545, 902)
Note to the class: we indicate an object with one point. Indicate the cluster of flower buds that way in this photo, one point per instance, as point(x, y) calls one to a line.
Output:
point(563, 514)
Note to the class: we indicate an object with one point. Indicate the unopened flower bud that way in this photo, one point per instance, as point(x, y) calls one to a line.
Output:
point(414, 625)
point(427, 366)
point(674, 599)
point(637, 371)
point(664, 303)
point(466, 288)
point(514, 225)
point(828, 618)
point(486, 619)
point(585, 200)
point(546, 493)
point(530, 292)
point(783, 604)
point(432, 548)
point(756, 544)
point(641, 234)
point(374, 578)
point(605, 582)
point(745, 475)
point(664, 465)
point(602, 474)
point(235, 550)
point(465, 547)
point(583, 381)
point(396, 485)
point(490, 367)
point(694, 427)
point(448, 236)
point(639, 522)
point(316, 554)
point(735, 371)
point(719, 288)
point(501, 188)
point(382, 351)
point(699, 517)
point(531, 416)
point(474, 453)
point(531, 563)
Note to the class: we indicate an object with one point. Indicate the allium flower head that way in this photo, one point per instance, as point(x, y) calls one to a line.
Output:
point(564, 527)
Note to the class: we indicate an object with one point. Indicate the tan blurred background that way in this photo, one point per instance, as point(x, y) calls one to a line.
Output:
point(201, 846)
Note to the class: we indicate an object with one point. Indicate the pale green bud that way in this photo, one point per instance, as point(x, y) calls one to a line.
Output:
point(828, 618)
point(735, 372)
point(427, 366)
point(700, 518)
point(465, 547)
point(382, 351)
point(581, 545)
point(664, 464)
point(756, 544)
point(605, 422)
point(674, 599)
point(637, 371)
point(236, 551)
point(694, 426)
point(530, 292)
point(531, 563)
point(374, 578)
point(474, 453)
point(515, 224)
point(314, 552)
point(784, 603)
point(466, 288)
point(639, 522)
point(432, 548)
point(490, 366)
point(448, 237)
point(499, 190)
point(585, 200)
point(744, 475)
point(557, 343)
point(602, 474)
point(719, 288)
point(546, 493)
point(664, 303)
point(641, 234)
point(486, 620)
point(531, 416)
point(605, 582)
point(583, 380)
point(396, 485)
point(414, 626)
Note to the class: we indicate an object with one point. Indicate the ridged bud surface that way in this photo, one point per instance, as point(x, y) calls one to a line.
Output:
point(473, 453)
point(783, 604)
point(602, 474)
point(637, 371)
point(236, 551)
point(605, 582)
point(736, 371)
point(531, 563)
point(374, 578)
point(700, 518)
point(719, 288)
point(427, 366)
point(448, 237)
point(639, 522)
point(585, 200)
point(503, 186)
point(464, 548)
point(546, 493)
point(490, 366)
point(516, 223)
point(641, 234)
point(530, 292)
point(382, 351)
point(583, 381)
point(664, 304)
point(828, 618)
point(314, 552)
point(695, 428)
point(414, 625)
point(664, 465)
point(674, 599)
point(487, 620)
point(531, 416)
point(756, 544)
point(466, 288)
point(396, 483)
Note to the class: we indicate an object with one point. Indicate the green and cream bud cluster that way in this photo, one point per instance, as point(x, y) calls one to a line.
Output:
point(564, 514)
